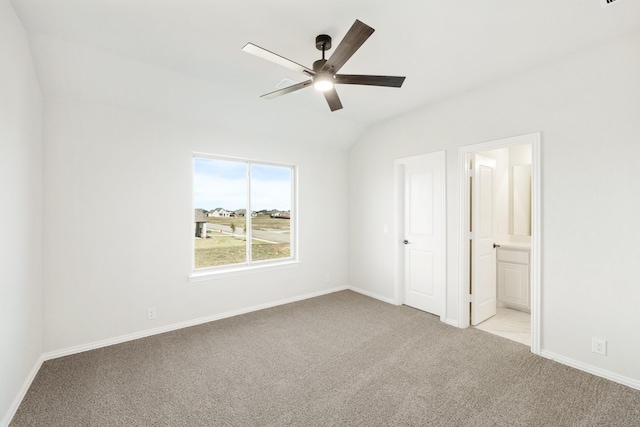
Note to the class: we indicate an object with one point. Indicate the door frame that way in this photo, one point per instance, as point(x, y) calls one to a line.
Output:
point(464, 157)
point(399, 229)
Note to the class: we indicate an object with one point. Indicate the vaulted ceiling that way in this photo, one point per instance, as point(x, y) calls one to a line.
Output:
point(182, 59)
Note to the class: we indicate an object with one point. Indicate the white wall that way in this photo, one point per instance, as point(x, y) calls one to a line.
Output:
point(21, 211)
point(75, 72)
point(588, 110)
point(118, 230)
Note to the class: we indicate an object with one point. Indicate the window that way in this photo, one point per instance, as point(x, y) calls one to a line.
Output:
point(243, 213)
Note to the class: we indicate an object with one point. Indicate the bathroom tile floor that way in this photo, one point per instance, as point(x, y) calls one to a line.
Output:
point(511, 324)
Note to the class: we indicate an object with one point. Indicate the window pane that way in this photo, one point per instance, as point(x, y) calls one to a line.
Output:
point(220, 198)
point(270, 212)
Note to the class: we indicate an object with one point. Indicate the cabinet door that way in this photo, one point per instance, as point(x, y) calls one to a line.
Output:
point(513, 285)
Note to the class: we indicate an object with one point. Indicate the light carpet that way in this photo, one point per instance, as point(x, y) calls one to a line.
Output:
point(338, 360)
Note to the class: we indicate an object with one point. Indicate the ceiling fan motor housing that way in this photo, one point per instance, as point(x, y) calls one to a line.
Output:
point(317, 65)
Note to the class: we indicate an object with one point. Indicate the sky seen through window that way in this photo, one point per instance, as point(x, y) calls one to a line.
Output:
point(223, 184)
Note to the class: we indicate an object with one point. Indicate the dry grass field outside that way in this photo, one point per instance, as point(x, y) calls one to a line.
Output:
point(226, 244)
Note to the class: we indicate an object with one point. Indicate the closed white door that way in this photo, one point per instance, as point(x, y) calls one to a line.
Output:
point(483, 256)
point(424, 232)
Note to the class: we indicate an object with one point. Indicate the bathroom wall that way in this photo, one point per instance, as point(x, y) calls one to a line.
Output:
point(519, 155)
point(506, 158)
point(501, 195)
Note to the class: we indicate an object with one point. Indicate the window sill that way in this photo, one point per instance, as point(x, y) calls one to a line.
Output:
point(220, 273)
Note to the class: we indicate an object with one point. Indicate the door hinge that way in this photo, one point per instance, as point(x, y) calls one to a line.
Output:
point(472, 173)
point(471, 235)
point(471, 298)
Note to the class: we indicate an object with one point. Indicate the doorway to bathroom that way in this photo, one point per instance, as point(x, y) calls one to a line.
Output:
point(500, 238)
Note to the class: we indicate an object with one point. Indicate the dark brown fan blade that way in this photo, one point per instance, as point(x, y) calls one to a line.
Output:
point(273, 57)
point(333, 99)
point(355, 79)
point(287, 89)
point(357, 34)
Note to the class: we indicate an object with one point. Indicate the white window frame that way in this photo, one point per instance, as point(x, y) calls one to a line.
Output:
point(248, 266)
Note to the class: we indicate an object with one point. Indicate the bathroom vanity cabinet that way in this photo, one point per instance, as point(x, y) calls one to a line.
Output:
point(513, 277)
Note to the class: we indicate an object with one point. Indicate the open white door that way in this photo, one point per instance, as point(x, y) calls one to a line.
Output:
point(483, 255)
point(424, 231)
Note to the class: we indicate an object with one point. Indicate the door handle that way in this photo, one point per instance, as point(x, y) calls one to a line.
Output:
point(406, 242)
point(495, 246)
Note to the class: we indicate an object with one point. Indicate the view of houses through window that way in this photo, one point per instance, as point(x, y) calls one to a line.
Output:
point(242, 212)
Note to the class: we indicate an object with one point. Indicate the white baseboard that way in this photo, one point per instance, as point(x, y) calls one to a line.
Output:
point(372, 295)
point(185, 324)
point(452, 322)
point(621, 379)
point(23, 391)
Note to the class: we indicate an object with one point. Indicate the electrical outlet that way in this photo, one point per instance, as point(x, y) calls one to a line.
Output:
point(326, 278)
point(151, 313)
point(599, 346)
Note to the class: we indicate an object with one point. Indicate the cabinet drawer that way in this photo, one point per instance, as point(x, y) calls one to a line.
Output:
point(507, 255)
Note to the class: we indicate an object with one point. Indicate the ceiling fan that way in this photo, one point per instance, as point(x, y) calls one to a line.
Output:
point(323, 75)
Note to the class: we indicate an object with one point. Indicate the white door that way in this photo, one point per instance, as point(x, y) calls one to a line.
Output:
point(483, 256)
point(424, 232)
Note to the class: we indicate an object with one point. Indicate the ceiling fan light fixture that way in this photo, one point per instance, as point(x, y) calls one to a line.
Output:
point(324, 75)
point(323, 82)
